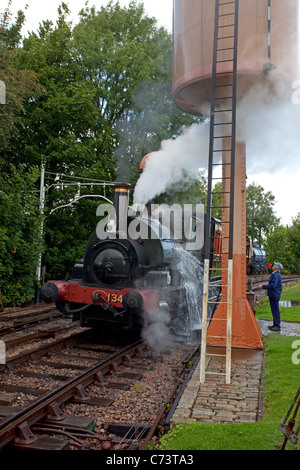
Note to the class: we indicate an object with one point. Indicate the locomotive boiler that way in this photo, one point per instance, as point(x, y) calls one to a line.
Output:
point(126, 273)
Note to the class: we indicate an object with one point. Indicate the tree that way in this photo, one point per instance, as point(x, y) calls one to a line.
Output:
point(20, 243)
point(90, 99)
point(283, 244)
point(260, 213)
point(294, 242)
point(217, 200)
point(20, 84)
point(278, 248)
point(128, 61)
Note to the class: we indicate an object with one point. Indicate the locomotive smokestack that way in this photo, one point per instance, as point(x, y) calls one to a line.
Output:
point(141, 170)
point(120, 202)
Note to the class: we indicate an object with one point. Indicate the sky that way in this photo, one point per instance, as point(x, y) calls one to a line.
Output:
point(39, 10)
point(283, 183)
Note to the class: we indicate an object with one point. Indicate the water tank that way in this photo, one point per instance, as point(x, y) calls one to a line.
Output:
point(193, 36)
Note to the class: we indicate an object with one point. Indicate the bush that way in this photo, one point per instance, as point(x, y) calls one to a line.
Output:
point(20, 243)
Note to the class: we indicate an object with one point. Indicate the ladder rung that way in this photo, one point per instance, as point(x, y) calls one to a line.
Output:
point(225, 37)
point(222, 86)
point(218, 269)
point(215, 373)
point(225, 26)
point(220, 178)
point(226, 14)
point(222, 123)
point(225, 60)
point(221, 337)
point(225, 49)
point(216, 355)
point(226, 3)
point(221, 164)
point(222, 137)
point(221, 192)
point(219, 285)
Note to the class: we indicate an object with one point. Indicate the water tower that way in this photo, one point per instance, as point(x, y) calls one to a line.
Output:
point(222, 49)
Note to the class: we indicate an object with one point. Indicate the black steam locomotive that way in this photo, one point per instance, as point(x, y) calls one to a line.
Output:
point(123, 277)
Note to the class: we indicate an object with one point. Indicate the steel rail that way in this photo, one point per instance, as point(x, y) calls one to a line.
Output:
point(39, 408)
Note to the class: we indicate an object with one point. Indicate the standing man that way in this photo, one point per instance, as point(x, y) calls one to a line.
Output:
point(274, 288)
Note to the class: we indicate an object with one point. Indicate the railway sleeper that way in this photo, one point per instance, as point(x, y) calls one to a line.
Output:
point(27, 440)
point(56, 419)
point(82, 397)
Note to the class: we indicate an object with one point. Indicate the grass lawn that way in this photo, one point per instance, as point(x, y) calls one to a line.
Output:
point(263, 310)
point(281, 382)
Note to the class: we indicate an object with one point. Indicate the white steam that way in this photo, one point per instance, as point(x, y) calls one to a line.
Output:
point(176, 161)
point(156, 331)
point(267, 121)
point(271, 126)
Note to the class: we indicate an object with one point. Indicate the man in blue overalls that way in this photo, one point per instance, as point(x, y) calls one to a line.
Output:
point(274, 288)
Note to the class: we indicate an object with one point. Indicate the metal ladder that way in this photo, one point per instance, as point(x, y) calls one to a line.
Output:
point(222, 131)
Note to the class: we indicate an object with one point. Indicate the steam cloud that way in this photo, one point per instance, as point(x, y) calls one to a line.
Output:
point(176, 161)
point(156, 331)
point(268, 123)
point(271, 129)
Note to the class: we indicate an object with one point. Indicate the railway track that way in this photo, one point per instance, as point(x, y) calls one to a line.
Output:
point(22, 319)
point(50, 395)
point(254, 281)
point(66, 390)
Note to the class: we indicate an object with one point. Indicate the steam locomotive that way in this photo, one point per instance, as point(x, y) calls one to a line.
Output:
point(123, 277)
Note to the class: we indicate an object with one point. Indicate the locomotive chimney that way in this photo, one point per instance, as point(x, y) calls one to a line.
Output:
point(141, 169)
point(120, 202)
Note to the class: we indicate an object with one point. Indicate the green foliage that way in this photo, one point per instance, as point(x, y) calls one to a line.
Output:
point(294, 243)
point(283, 243)
point(260, 213)
point(20, 244)
point(20, 83)
point(128, 61)
point(263, 310)
point(87, 101)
